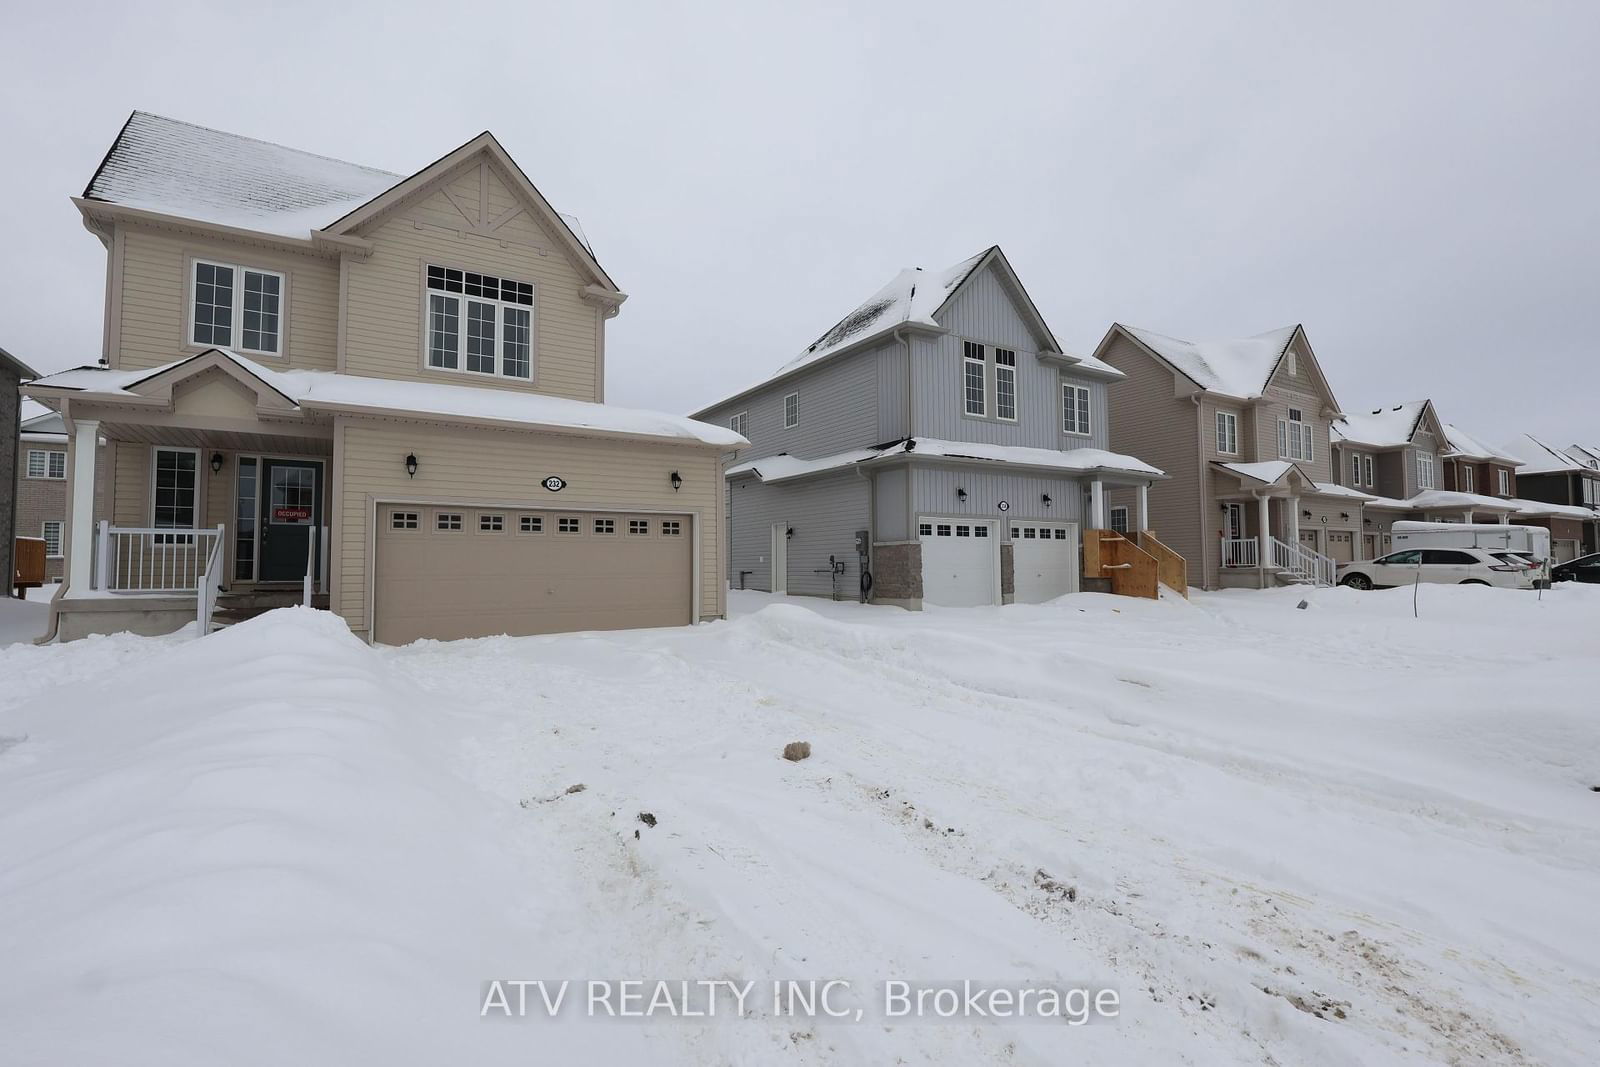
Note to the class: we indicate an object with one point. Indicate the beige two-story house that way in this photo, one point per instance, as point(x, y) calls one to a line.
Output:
point(1241, 428)
point(380, 391)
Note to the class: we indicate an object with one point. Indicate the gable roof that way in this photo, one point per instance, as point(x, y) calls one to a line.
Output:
point(915, 297)
point(1588, 455)
point(1465, 446)
point(1539, 457)
point(1391, 427)
point(177, 168)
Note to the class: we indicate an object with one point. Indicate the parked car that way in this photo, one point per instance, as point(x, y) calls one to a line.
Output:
point(1447, 566)
point(1582, 569)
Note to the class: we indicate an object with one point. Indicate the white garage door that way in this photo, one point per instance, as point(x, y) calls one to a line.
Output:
point(1044, 561)
point(958, 562)
point(452, 572)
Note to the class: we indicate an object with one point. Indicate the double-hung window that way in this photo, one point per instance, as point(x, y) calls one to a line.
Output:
point(974, 384)
point(1505, 482)
point(1074, 409)
point(1469, 479)
point(1227, 433)
point(1425, 478)
point(236, 307)
point(740, 424)
point(52, 538)
point(791, 411)
point(1005, 384)
point(1294, 437)
point(479, 323)
point(175, 485)
point(1366, 469)
point(46, 463)
point(1355, 468)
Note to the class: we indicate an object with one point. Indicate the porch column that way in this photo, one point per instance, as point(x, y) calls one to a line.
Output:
point(1097, 504)
point(1144, 507)
point(1263, 553)
point(80, 531)
point(1466, 516)
point(1292, 525)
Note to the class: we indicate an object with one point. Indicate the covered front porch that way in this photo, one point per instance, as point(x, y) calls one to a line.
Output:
point(1262, 543)
point(218, 503)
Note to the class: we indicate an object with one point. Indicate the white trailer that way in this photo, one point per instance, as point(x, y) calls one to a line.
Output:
point(1531, 541)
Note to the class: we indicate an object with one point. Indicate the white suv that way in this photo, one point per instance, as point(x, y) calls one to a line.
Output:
point(1450, 566)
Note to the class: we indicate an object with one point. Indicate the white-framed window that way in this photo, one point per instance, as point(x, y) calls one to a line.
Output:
point(491, 523)
point(1119, 521)
point(791, 411)
point(479, 323)
point(740, 424)
point(638, 527)
point(671, 528)
point(1291, 363)
point(925, 529)
point(605, 526)
point(1425, 478)
point(47, 463)
point(1589, 491)
point(568, 526)
point(1469, 479)
point(1366, 470)
point(1505, 481)
point(980, 531)
point(1005, 384)
point(174, 489)
point(1074, 409)
point(233, 306)
point(51, 532)
point(1294, 437)
point(1355, 468)
point(974, 376)
point(403, 520)
point(447, 520)
point(1227, 433)
point(531, 524)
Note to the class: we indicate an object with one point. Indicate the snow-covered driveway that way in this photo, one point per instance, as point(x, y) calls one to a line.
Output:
point(1324, 836)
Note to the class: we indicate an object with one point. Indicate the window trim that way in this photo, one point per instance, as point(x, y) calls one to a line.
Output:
point(1304, 450)
point(1087, 429)
point(1111, 518)
point(1504, 480)
point(1015, 395)
point(1233, 434)
point(199, 491)
point(44, 535)
point(1366, 470)
point(787, 423)
point(981, 360)
point(740, 424)
point(48, 454)
point(499, 305)
point(1426, 462)
point(236, 327)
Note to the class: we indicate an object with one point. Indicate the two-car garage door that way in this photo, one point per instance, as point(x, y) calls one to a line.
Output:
point(453, 572)
point(960, 561)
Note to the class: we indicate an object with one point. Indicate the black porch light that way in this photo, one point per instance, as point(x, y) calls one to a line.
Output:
point(216, 463)
point(788, 533)
point(1345, 515)
point(1305, 514)
point(961, 494)
point(1045, 499)
point(677, 482)
point(411, 464)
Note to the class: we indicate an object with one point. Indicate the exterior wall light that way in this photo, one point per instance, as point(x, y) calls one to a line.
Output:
point(677, 482)
point(411, 465)
point(788, 533)
point(1306, 513)
point(216, 463)
point(961, 494)
point(1045, 500)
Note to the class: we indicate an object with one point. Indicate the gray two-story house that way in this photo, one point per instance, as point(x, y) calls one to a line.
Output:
point(936, 445)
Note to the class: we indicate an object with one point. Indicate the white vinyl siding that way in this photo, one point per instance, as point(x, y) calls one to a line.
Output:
point(236, 307)
point(974, 379)
point(1227, 433)
point(1075, 409)
point(1005, 384)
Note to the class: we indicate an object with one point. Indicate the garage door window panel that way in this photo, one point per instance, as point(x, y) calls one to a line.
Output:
point(404, 520)
point(447, 521)
point(491, 523)
point(530, 524)
point(569, 525)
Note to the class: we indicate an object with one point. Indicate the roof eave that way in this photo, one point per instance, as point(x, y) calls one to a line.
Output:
point(106, 211)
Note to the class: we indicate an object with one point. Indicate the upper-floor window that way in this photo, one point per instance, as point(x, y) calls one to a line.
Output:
point(479, 323)
point(1005, 384)
point(1425, 478)
point(1505, 482)
point(791, 411)
point(973, 379)
point(1294, 437)
point(1227, 433)
point(1366, 470)
point(236, 307)
point(1074, 408)
point(46, 463)
point(1355, 468)
point(1292, 364)
point(1591, 495)
point(740, 424)
point(1469, 479)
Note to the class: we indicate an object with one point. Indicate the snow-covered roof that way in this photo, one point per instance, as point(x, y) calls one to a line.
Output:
point(1538, 457)
point(1446, 498)
point(1587, 455)
point(38, 419)
point(1073, 460)
point(1538, 508)
point(1464, 445)
point(1334, 489)
point(177, 168)
point(1239, 367)
point(325, 391)
point(1267, 472)
point(1390, 427)
point(1095, 364)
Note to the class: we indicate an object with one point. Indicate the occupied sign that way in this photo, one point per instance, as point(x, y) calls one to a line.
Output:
point(291, 514)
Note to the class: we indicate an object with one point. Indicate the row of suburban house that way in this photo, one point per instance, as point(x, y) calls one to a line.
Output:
point(385, 393)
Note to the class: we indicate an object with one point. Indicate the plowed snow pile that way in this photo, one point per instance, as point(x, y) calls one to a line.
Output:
point(1320, 836)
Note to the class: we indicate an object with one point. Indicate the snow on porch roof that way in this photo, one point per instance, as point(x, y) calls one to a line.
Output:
point(329, 392)
point(783, 467)
point(177, 168)
point(1239, 367)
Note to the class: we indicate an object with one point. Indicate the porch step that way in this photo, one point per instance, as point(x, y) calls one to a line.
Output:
point(243, 606)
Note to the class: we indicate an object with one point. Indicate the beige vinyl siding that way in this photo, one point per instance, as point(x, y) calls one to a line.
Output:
point(154, 315)
point(385, 293)
point(1148, 421)
point(464, 465)
point(1274, 407)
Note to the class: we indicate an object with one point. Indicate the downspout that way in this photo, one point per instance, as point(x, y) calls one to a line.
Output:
point(1200, 486)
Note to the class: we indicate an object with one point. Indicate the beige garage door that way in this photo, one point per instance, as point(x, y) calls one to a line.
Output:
point(474, 572)
point(1341, 546)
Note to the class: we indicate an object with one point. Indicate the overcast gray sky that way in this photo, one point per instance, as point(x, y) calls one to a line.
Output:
point(1417, 183)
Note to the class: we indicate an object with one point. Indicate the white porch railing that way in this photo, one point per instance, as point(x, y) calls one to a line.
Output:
point(316, 579)
point(210, 586)
point(1240, 552)
point(1302, 562)
point(150, 560)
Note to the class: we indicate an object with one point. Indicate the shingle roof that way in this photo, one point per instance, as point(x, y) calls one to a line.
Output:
point(1538, 457)
point(1469, 447)
point(1239, 367)
point(177, 168)
point(1389, 427)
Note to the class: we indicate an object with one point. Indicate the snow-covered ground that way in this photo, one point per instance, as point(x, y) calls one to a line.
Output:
point(1328, 836)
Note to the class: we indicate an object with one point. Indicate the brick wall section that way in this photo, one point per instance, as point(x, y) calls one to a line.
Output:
point(897, 572)
point(1008, 576)
point(39, 500)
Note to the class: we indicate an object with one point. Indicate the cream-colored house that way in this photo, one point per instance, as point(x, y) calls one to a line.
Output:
point(321, 380)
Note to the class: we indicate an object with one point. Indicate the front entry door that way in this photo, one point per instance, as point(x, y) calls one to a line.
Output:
point(291, 508)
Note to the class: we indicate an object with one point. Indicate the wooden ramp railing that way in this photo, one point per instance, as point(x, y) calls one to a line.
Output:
point(1172, 570)
point(1133, 571)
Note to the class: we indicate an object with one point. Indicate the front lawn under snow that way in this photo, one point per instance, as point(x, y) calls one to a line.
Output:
point(1328, 836)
